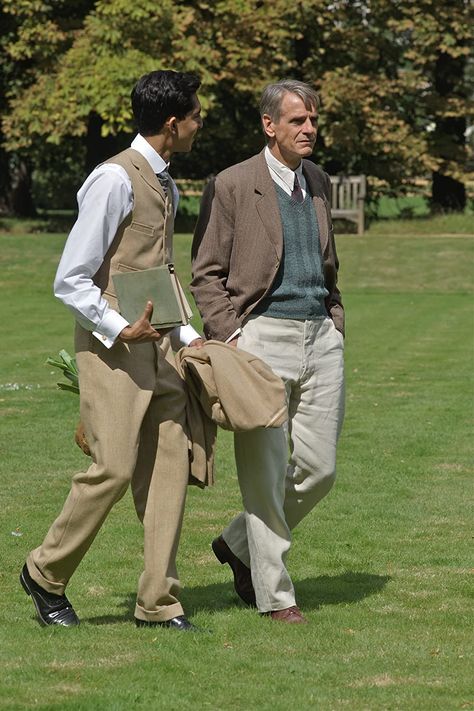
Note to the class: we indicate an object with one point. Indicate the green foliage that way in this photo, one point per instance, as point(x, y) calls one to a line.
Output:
point(379, 67)
point(67, 364)
point(383, 98)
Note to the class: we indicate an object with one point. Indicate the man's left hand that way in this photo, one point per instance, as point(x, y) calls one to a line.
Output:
point(197, 343)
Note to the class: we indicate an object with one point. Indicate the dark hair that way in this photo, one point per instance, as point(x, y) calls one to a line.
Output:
point(158, 95)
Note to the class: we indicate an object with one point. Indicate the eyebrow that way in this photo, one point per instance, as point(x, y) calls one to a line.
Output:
point(303, 116)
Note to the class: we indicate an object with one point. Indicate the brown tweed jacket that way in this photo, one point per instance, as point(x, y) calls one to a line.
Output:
point(238, 244)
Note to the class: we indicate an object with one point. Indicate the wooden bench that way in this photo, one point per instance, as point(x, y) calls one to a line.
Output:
point(347, 196)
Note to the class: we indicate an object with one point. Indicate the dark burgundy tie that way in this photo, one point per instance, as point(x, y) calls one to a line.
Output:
point(297, 194)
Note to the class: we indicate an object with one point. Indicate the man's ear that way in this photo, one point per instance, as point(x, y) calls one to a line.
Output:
point(267, 124)
point(172, 124)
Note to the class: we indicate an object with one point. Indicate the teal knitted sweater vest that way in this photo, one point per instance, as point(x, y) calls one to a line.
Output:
point(298, 291)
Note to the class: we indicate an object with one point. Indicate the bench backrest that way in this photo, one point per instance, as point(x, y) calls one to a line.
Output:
point(347, 196)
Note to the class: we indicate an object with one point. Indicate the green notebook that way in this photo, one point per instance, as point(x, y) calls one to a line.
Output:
point(159, 285)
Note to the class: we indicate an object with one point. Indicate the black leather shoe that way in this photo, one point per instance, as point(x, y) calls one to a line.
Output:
point(242, 576)
point(52, 609)
point(177, 623)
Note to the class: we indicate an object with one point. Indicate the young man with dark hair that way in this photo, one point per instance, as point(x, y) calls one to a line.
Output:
point(157, 94)
point(265, 279)
point(131, 398)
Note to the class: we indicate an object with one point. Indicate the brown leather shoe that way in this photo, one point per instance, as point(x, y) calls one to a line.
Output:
point(291, 615)
point(242, 576)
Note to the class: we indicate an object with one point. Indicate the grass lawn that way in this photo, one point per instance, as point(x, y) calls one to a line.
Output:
point(381, 567)
point(415, 205)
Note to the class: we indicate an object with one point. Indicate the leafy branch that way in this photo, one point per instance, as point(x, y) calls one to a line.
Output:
point(67, 364)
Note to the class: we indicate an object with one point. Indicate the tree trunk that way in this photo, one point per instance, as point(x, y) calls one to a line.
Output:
point(20, 198)
point(449, 194)
point(5, 185)
point(98, 149)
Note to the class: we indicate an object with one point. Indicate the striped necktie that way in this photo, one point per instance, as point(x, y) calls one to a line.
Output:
point(164, 178)
point(297, 193)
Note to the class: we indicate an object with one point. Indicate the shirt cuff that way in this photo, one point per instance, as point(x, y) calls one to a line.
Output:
point(233, 335)
point(187, 334)
point(109, 328)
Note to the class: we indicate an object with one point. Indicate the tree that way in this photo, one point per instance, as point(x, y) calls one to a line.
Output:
point(441, 37)
point(390, 73)
point(86, 92)
point(395, 92)
point(34, 33)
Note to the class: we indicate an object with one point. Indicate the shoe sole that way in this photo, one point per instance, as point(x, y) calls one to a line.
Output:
point(143, 624)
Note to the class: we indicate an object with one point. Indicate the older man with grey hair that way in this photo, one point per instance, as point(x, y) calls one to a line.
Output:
point(264, 279)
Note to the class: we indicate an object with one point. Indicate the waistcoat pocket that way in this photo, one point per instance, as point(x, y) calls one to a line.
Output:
point(141, 227)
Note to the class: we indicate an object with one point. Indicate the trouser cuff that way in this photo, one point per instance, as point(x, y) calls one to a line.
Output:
point(50, 586)
point(162, 614)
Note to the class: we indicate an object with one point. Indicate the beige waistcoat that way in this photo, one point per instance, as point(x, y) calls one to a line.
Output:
point(144, 239)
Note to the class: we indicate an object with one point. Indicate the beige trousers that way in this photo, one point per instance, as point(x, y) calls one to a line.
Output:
point(132, 408)
point(278, 492)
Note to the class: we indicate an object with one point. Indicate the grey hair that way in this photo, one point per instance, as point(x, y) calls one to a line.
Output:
point(273, 94)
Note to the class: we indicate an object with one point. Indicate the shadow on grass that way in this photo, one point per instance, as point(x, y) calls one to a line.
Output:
point(128, 606)
point(212, 598)
point(311, 593)
point(347, 588)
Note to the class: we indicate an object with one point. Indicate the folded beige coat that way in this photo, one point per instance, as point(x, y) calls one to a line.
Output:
point(228, 387)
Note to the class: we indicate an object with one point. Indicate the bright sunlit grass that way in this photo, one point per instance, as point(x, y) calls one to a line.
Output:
point(381, 567)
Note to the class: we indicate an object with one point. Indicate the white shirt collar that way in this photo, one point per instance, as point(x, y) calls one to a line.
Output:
point(141, 145)
point(282, 171)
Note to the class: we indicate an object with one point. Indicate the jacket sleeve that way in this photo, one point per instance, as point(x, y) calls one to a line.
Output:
point(211, 255)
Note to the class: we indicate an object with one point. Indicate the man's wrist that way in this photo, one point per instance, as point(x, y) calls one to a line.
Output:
point(110, 327)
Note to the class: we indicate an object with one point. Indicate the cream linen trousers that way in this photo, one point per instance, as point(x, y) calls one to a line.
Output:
point(277, 493)
point(132, 407)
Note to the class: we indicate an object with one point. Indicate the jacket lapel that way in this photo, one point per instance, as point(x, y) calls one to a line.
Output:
point(266, 203)
point(321, 205)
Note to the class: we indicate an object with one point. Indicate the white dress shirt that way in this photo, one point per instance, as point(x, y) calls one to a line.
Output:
point(284, 177)
point(104, 200)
